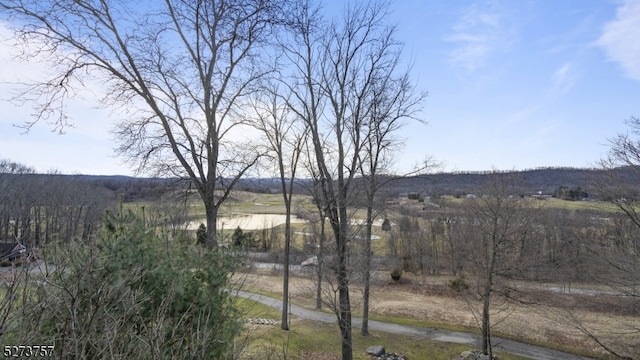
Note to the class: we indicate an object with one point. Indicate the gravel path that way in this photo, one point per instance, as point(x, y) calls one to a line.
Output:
point(508, 346)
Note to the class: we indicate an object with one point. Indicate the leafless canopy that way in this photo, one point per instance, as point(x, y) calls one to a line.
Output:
point(348, 88)
point(179, 71)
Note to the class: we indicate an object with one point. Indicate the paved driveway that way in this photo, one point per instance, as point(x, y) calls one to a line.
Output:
point(508, 346)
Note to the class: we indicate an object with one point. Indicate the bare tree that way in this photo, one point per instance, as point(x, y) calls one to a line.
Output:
point(285, 138)
point(13, 180)
point(622, 168)
point(498, 223)
point(344, 65)
point(335, 178)
point(618, 258)
point(303, 51)
point(317, 224)
point(391, 101)
point(170, 208)
point(619, 186)
point(180, 70)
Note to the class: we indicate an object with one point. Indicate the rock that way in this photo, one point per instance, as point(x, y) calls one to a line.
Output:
point(473, 355)
point(391, 356)
point(467, 355)
point(377, 350)
point(378, 353)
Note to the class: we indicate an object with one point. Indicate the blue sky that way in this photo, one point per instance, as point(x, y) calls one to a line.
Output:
point(512, 85)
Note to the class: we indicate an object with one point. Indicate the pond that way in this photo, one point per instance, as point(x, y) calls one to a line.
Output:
point(249, 221)
point(261, 221)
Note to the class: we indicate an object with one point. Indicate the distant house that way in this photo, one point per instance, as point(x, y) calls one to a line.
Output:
point(12, 251)
point(312, 261)
point(540, 195)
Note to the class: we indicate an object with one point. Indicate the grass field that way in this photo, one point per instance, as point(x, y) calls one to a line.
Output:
point(553, 203)
point(316, 340)
point(414, 302)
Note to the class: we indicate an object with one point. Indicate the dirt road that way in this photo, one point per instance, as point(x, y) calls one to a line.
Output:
point(508, 346)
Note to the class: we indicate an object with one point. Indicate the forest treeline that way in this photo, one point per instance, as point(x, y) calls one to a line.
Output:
point(39, 207)
point(541, 180)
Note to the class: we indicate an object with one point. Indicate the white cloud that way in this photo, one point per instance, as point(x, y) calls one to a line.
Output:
point(620, 38)
point(522, 116)
point(478, 32)
point(86, 147)
point(563, 79)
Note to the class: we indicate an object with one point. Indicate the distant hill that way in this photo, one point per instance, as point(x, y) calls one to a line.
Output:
point(544, 180)
point(114, 186)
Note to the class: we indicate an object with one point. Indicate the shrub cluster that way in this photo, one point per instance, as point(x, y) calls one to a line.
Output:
point(132, 294)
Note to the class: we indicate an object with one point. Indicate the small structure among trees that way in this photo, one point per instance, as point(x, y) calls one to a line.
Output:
point(10, 252)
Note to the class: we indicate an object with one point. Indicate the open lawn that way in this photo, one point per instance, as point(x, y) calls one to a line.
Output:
point(553, 203)
point(321, 341)
point(416, 301)
point(244, 202)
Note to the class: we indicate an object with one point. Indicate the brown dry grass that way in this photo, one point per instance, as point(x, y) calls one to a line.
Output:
point(552, 321)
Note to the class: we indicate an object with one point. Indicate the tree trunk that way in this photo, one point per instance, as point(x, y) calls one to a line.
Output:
point(344, 315)
point(486, 336)
point(367, 274)
point(212, 218)
point(284, 325)
point(320, 264)
point(486, 298)
point(434, 242)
